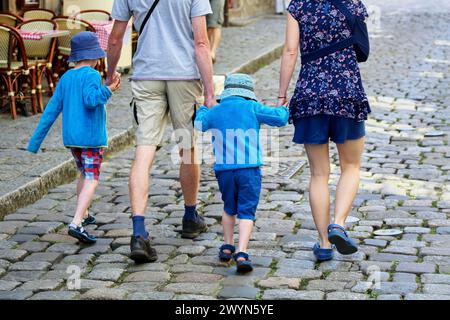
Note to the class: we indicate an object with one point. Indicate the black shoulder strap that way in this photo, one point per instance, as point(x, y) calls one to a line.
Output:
point(344, 10)
point(350, 17)
point(149, 13)
point(327, 50)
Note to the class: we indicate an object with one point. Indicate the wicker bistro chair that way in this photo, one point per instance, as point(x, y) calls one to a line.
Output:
point(74, 26)
point(15, 75)
point(38, 14)
point(10, 19)
point(40, 53)
point(94, 15)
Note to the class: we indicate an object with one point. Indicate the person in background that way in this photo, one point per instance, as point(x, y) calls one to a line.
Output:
point(172, 69)
point(81, 98)
point(215, 21)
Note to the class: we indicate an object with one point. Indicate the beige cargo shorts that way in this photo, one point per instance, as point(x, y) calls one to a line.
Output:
point(155, 102)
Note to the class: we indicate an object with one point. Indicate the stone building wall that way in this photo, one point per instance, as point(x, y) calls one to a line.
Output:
point(239, 9)
point(250, 8)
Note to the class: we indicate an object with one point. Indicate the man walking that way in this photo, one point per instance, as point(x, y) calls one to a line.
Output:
point(172, 56)
point(215, 21)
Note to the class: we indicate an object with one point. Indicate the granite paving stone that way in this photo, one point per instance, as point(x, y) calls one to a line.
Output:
point(404, 186)
point(55, 295)
point(289, 294)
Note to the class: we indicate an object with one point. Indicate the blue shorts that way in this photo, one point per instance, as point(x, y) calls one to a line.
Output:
point(240, 190)
point(321, 128)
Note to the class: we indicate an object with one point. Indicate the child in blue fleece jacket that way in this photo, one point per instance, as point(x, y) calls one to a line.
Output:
point(235, 124)
point(81, 98)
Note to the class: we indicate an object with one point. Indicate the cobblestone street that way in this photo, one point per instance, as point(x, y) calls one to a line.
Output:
point(401, 216)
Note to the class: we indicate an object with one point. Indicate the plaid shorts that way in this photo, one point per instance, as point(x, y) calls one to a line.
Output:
point(89, 161)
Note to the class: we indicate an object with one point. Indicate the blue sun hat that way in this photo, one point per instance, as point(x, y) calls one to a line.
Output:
point(85, 46)
point(239, 84)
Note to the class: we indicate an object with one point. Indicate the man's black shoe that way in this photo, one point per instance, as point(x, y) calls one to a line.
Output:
point(193, 228)
point(141, 251)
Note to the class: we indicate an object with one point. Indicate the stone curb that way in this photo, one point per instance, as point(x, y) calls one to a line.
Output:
point(67, 172)
point(63, 173)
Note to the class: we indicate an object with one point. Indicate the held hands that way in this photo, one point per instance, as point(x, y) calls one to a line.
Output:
point(114, 81)
point(210, 102)
point(282, 101)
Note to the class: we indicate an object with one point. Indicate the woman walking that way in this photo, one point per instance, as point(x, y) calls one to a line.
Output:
point(329, 103)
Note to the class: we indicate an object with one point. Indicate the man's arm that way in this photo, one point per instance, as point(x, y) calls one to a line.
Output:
point(203, 57)
point(115, 43)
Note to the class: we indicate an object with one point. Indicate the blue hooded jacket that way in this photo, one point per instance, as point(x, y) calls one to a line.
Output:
point(235, 124)
point(81, 98)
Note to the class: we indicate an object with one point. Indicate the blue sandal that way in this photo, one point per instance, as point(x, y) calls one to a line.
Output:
point(338, 236)
point(226, 257)
point(324, 254)
point(243, 266)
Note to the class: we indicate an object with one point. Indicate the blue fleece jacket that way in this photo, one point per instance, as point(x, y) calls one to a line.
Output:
point(81, 98)
point(235, 123)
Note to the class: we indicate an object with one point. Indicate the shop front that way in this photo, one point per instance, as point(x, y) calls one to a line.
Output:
point(70, 8)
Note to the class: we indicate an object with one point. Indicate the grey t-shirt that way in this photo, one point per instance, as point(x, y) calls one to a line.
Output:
point(166, 47)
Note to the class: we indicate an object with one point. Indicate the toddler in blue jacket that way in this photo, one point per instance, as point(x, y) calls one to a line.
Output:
point(235, 124)
point(81, 98)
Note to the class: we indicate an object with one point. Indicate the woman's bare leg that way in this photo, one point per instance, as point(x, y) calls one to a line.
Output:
point(319, 194)
point(350, 162)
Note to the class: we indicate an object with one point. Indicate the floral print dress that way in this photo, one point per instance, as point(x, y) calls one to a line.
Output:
point(330, 85)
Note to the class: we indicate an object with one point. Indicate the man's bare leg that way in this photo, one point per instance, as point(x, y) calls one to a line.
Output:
point(189, 176)
point(141, 251)
point(139, 178)
point(193, 224)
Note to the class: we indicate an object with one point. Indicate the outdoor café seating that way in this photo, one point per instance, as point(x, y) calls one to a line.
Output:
point(18, 77)
point(94, 15)
point(34, 52)
point(40, 54)
point(10, 19)
point(38, 14)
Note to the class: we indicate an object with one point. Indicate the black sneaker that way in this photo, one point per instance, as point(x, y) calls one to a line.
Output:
point(141, 251)
point(81, 234)
point(89, 220)
point(192, 229)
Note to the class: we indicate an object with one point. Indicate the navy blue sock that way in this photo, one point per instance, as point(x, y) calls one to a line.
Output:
point(139, 227)
point(190, 212)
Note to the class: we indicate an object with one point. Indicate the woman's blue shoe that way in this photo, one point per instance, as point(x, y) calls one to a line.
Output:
point(243, 266)
point(338, 236)
point(322, 254)
point(224, 256)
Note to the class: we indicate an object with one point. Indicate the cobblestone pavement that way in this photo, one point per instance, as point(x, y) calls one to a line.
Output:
point(18, 167)
point(405, 187)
